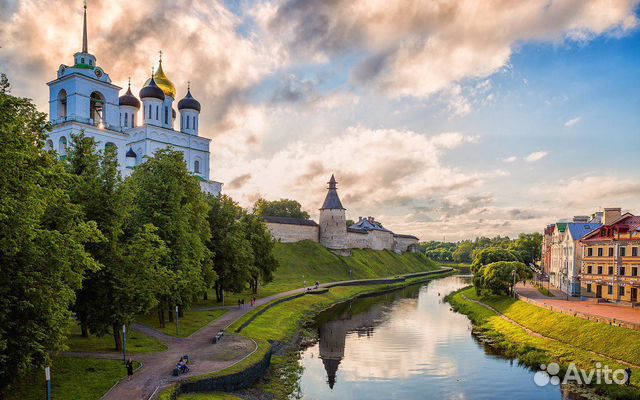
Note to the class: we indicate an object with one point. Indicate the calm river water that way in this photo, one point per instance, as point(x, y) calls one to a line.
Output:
point(409, 345)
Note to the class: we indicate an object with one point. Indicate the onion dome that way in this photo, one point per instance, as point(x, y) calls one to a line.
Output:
point(128, 99)
point(163, 82)
point(152, 90)
point(189, 102)
point(131, 153)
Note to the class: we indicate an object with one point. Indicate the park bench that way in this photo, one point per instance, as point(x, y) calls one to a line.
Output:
point(217, 337)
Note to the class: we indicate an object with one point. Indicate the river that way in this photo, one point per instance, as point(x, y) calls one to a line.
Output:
point(409, 344)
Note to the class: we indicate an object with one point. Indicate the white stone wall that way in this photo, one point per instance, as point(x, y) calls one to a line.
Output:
point(289, 233)
point(357, 240)
point(403, 244)
point(380, 240)
point(333, 229)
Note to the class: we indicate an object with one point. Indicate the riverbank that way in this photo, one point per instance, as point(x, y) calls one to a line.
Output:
point(538, 336)
point(284, 326)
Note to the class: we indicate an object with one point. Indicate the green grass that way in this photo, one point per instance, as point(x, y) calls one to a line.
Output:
point(208, 396)
point(137, 342)
point(190, 323)
point(309, 261)
point(544, 291)
point(71, 379)
point(575, 336)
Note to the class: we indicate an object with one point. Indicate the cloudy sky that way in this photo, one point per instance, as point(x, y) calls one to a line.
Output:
point(441, 118)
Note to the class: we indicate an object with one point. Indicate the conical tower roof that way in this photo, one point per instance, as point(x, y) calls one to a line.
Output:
point(332, 201)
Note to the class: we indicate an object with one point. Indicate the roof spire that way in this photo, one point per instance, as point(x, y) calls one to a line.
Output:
point(332, 182)
point(160, 53)
point(84, 30)
point(129, 83)
point(188, 86)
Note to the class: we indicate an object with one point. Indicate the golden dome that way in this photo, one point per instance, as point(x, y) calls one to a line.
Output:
point(163, 82)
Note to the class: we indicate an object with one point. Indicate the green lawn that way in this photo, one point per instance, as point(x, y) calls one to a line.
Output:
point(71, 379)
point(136, 342)
point(575, 336)
point(190, 323)
point(208, 396)
point(309, 261)
point(544, 291)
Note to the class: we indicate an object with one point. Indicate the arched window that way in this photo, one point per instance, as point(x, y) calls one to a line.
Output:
point(187, 122)
point(48, 145)
point(126, 119)
point(62, 147)
point(166, 115)
point(157, 113)
point(181, 122)
point(149, 111)
point(82, 60)
point(96, 107)
point(62, 103)
point(110, 145)
point(196, 167)
point(133, 120)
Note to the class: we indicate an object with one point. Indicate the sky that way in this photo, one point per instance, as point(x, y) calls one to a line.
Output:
point(442, 119)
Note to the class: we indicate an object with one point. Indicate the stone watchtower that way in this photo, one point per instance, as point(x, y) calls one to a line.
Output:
point(333, 225)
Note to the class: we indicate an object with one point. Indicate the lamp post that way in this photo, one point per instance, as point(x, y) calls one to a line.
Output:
point(47, 378)
point(124, 344)
point(514, 283)
point(177, 322)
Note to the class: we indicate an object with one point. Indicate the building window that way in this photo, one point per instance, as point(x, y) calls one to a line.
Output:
point(590, 252)
point(166, 115)
point(157, 112)
point(589, 269)
point(634, 252)
point(187, 122)
point(623, 251)
point(600, 270)
point(622, 271)
point(196, 167)
point(610, 269)
point(62, 103)
point(62, 146)
point(610, 251)
point(634, 271)
point(82, 60)
point(133, 120)
point(96, 107)
point(620, 290)
point(126, 119)
point(610, 290)
point(600, 251)
point(182, 122)
point(149, 111)
point(588, 287)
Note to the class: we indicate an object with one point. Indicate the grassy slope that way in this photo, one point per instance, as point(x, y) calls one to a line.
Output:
point(309, 261)
point(71, 379)
point(137, 342)
point(190, 323)
point(574, 335)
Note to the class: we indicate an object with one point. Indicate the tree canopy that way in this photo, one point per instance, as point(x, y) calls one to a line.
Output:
point(279, 208)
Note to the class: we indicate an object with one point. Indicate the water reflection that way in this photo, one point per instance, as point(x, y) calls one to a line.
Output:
point(409, 345)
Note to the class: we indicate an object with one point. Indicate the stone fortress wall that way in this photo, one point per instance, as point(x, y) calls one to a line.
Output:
point(290, 233)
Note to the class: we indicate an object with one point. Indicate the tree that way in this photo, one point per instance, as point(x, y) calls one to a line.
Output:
point(232, 252)
point(279, 208)
point(42, 238)
point(463, 252)
point(262, 245)
point(498, 277)
point(165, 195)
point(529, 246)
point(492, 254)
point(350, 222)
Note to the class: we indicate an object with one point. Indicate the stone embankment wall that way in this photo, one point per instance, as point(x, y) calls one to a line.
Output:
point(289, 233)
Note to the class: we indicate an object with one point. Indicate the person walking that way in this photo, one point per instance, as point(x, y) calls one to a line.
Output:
point(628, 371)
point(129, 369)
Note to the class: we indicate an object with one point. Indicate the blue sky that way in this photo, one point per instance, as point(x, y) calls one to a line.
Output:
point(451, 118)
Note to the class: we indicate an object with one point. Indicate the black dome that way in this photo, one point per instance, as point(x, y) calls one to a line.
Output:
point(152, 90)
point(189, 103)
point(131, 153)
point(128, 99)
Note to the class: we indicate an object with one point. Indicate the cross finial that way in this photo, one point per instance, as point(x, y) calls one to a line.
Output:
point(152, 71)
point(188, 86)
point(160, 53)
point(129, 82)
point(85, 4)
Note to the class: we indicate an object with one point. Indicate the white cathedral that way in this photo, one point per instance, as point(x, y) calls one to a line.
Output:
point(82, 97)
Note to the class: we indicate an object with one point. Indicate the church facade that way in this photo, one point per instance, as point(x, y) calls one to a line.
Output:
point(334, 234)
point(82, 97)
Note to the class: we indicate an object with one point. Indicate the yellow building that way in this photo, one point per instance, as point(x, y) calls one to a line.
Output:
point(611, 258)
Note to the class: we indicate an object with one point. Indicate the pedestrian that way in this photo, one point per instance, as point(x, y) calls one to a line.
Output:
point(129, 369)
point(239, 303)
point(254, 300)
point(242, 303)
point(628, 371)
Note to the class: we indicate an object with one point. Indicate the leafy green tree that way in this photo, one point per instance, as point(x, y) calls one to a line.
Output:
point(529, 246)
point(164, 194)
point(262, 245)
point(232, 251)
point(350, 222)
point(42, 242)
point(279, 208)
point(492, 254)
point(463, 252)
point(499, 277)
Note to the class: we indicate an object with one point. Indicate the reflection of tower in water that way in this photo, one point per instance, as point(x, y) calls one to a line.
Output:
point(333, 335)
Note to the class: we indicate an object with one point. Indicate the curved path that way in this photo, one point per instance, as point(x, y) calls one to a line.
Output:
point(204, 357)
point(541, 336)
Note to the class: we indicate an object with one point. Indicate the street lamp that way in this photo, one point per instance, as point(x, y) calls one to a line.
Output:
point(514, 283)
point(124, 344)
point(47, 378)
point(177, 322)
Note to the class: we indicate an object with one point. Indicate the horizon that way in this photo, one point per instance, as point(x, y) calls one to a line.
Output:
point(432, 122)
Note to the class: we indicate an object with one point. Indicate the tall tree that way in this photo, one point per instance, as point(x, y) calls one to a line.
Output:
point(232, 252)
point(279, 208)
point(262, 245)
point(164, 194)
point(42, 238)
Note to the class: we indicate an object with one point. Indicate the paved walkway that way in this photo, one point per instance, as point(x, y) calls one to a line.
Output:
point(574, 304)
point(158, 367)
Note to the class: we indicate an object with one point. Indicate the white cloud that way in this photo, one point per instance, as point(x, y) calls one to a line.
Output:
point(536, 156)
point(510, 159)
point(572, 121)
